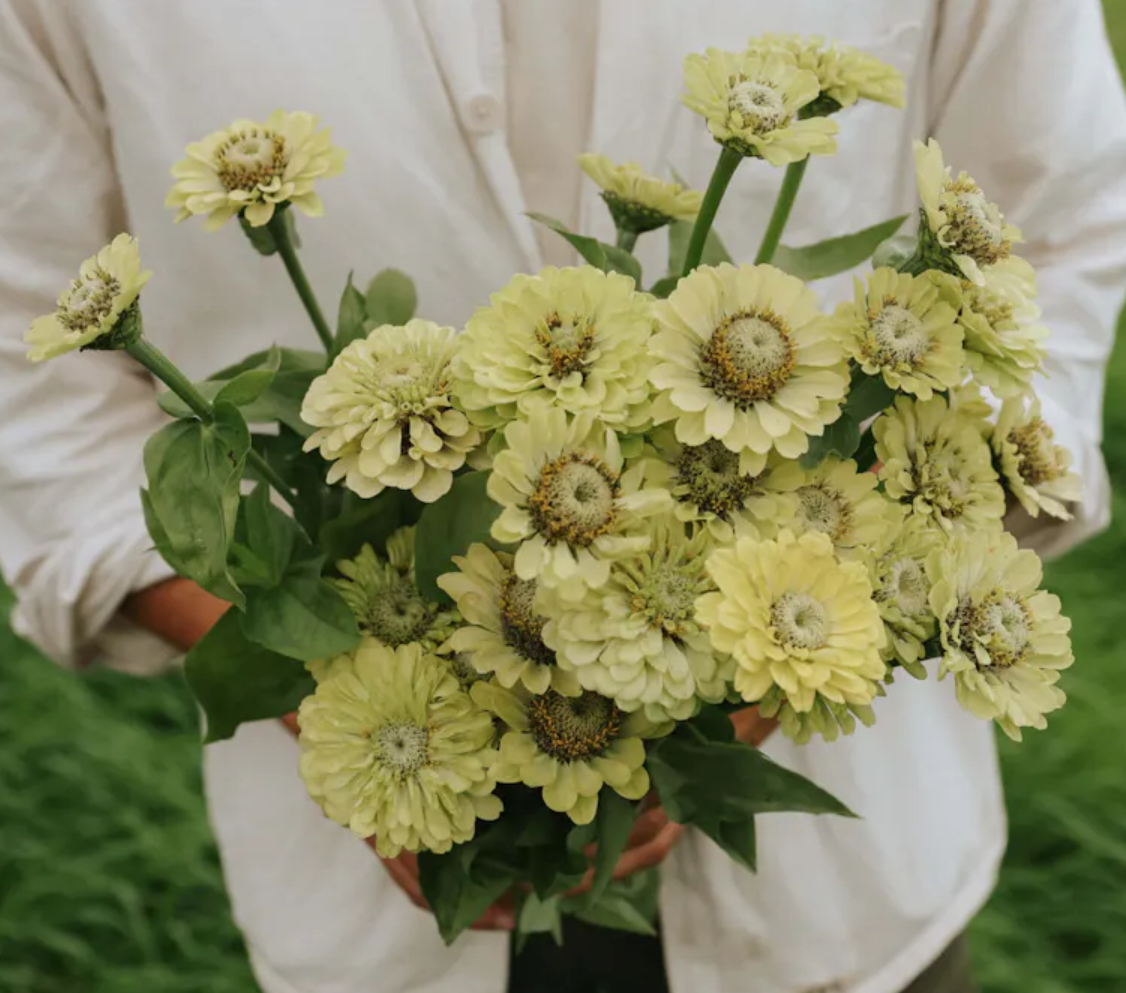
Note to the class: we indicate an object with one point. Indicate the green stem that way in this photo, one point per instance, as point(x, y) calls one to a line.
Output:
point(791, 183)
point(288, 252)
point(725, 167)
point(626, 239)
point(162, 367)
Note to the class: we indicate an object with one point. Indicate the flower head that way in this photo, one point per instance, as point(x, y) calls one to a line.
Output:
point(835, 499)
point(639, 202)
point(395, 748)
point(567, 500)
point(751, 103)
point(1004, 343)
point(796, 618)
point(384, 414)
point(844, 74)
point(575, 337)
point(968, 229)
point(253, 169)
point(96, 305)
point(570, 746)
point(385, 598)
point(708, 488)
point(636, 639)
point(902, 591)
point(1004, 639)
point(745, 357)
point(936, 461)
point(1034, 468)
point(905, 329)
point(503, 633)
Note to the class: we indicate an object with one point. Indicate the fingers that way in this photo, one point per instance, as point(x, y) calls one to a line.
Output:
point(752, 727)
point(650, 854)
point(647, 827)
point(501, 916)
point(290, 721)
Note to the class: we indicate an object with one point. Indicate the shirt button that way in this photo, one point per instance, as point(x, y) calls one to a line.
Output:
point(481, 114)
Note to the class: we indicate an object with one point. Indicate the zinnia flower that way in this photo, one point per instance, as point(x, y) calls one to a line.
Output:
point(567, 500)
point(796, 618)
point(747, 358)
point(845, 74)
point(576, 337)
point(835, 499)
point(385, 415)
point(708, 488)
point(636, 639)
point(396, 749)
point(751, 103)
point(902, 593)
point(1004, 639)
point(569, 746)
point(385, 599)
point(253, 169)
point(1034, 469)
point(503, 632)
point(639, 202)
point(97, 306)
point(1004, 343)
point(968, 230)
point(905, 329)
point(936, 461)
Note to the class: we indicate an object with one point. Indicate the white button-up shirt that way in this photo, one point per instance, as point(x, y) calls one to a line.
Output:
point(98, 97)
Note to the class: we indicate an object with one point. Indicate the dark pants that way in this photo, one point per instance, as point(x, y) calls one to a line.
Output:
point(595, 960)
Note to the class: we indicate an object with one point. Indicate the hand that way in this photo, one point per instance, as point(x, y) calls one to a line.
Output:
point(403, 870)
point(752, 727)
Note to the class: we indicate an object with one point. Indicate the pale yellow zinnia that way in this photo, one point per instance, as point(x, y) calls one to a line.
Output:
point(637, 201)
point(96, 306)
point(751, 103)
point(1034, 468)
point(254, 168)
point(746, 357)
point(902, 591)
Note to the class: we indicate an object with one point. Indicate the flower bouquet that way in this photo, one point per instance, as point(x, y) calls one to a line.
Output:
point(517, 579)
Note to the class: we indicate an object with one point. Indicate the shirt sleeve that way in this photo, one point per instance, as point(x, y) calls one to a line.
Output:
point(1026, 97)
point(73, 542)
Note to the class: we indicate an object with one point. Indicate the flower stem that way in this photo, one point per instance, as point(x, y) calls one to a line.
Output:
point(163, 368)
point(279, 228)
point(626, 239)
point(725, 167)
point(791, 183)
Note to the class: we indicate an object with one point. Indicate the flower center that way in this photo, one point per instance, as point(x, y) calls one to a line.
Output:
point(573, 729)
point(748, 358)
point(821, 509)
point(707, 476)
point(799, 621)
point(1001, 625)
point(756, 106)
point(943, 480)
point(992, 306)
point(568, 340)
point(976, 226)
point(402, 748)
point(1037, 462)
point(410, 382)
point(574, 501)
point(251, 159)
point(667, 596)
point(521, 626)
point(896, 337)
point(398, 614)
point(465, 672)
point(905, 586)
point(89, 301)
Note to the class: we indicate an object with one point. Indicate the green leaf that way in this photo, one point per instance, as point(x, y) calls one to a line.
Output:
point(737, 838)
point(608, 258)
point(538, 916)
point(391, 298)
point(663, 288)
point(836, 255)
point(236, 681)
point(866, 454)
point(271, 533)
point(459, 892)
point(304, 472)
point(248, 386)
point(614, 822)
point(448, 527)
point(367, 522)
point(841, 438)
point(868, 396)
point(894, 252)
point(194, 470)
point(627, 905)
point(302, 617)
point(680, 233)
point(350, 317)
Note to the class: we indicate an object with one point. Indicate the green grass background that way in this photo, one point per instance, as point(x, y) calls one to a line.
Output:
point(109, 881)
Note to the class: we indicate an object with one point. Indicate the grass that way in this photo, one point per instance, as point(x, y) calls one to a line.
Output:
point(109, 881)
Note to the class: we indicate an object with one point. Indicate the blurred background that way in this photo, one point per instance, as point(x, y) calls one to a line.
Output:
point(109, 880)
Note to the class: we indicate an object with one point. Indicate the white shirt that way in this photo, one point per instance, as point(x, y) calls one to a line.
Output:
point(98, 97)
